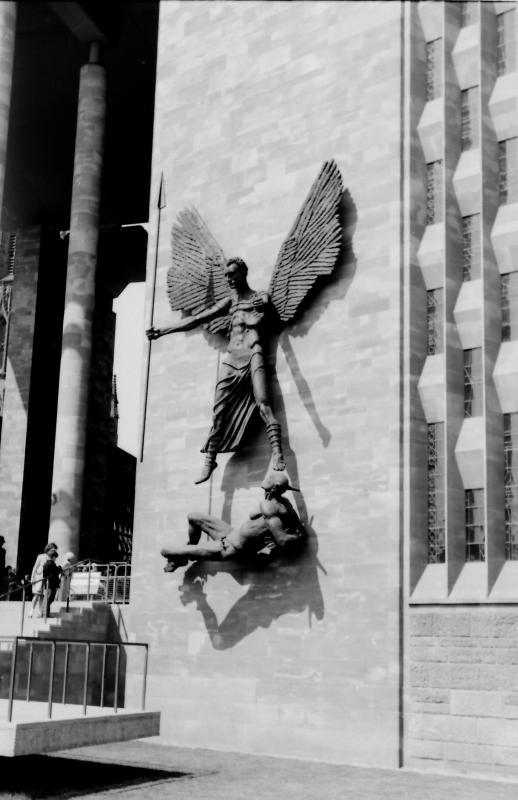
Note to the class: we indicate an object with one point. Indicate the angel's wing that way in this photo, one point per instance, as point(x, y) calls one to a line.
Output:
point(195, 280)
point(312, 246)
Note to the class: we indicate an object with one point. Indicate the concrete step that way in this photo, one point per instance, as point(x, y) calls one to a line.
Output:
point(83, 620)
point(31, 731)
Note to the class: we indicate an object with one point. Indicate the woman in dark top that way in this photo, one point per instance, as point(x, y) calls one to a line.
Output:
point(52, 575)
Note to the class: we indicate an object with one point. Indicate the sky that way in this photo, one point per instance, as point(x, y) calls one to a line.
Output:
point(129, 351)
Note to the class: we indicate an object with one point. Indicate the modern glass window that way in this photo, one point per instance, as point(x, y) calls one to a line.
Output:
point(471, 247)
point(433, 69)
point(436, 494)
point(511, 485)
point(473, 382)
point(506, 42)
point(433, 192)
point(468, 13)
point(474, 525)
point(508, 171)
point(435, 321)
point(509, 302)
point(469, 118)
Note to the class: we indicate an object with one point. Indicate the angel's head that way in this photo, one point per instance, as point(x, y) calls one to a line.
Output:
point(236, 272)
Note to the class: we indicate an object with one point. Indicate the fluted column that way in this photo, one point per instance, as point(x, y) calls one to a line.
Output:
point(69, 454)
point(7, 37)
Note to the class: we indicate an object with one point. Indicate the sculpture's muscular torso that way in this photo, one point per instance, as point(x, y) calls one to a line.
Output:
point(242, 383)
point(271, 528)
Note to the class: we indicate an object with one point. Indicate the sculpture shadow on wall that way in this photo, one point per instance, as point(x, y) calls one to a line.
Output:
point(287, 584)
point(277, 587)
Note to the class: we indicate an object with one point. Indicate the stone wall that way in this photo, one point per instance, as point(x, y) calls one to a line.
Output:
point(463, 689)
point(303, 660)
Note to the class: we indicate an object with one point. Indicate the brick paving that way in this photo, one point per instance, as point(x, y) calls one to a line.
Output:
point(185, 774)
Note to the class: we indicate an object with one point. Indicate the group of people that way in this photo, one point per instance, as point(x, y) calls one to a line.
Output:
point(8, 578)
point(48, 576)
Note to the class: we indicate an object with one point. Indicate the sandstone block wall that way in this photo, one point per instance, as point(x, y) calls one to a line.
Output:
point(463, 689)
point(303, 660)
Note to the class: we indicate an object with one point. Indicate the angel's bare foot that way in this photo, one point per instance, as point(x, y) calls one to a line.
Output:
point(278, 462)
point(208, 468)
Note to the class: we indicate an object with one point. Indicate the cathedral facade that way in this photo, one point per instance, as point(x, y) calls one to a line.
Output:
point(392, 640)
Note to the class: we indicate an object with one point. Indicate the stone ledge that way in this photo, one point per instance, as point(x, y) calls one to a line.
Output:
point(30, 732)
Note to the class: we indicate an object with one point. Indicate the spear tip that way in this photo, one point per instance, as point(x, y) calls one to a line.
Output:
point(161, 192)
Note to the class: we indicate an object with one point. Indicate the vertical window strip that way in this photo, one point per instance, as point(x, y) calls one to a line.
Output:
point(509, 306)
point(508, 171)
point(510, 486)
point(504, 303)
point(434, 321)
point(502, 172)
point(433, 192)
point(473, 382)
point(469, 118)
point(11, 253)
point(474, 525)
point(505, 42)
point(436, 494)
point(471, 261)
point(512, 170)
point(433, 69)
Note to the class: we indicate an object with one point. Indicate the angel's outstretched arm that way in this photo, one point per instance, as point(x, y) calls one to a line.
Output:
point(192, 322)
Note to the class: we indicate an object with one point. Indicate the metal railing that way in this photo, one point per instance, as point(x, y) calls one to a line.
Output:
point(19, 641)
point(86, 580)
point(92, 580)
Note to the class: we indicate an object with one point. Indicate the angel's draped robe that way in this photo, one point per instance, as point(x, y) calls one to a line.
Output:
point(241, 386)
point(234, 400)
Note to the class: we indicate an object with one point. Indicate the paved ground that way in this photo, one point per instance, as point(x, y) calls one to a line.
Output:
point(143, 770)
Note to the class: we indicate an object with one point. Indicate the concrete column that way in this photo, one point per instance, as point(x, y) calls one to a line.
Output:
point(69, 454)
point(7, 37)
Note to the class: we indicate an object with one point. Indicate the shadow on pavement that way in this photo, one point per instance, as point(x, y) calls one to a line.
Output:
point(35, 777)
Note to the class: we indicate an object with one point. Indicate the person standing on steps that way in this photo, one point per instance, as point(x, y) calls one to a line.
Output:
point(38, 589)
point(51, 577)
point(67, 569)
point(3, 571)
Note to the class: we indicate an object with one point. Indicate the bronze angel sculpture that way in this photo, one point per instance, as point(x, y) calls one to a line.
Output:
point(215, 293)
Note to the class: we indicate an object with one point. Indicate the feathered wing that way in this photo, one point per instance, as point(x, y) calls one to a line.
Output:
point(195, 280)
point(312, 246)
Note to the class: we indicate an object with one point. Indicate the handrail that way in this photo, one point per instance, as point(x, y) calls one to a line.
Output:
point(113, 570)
point(88, 644)
point(25, 586)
